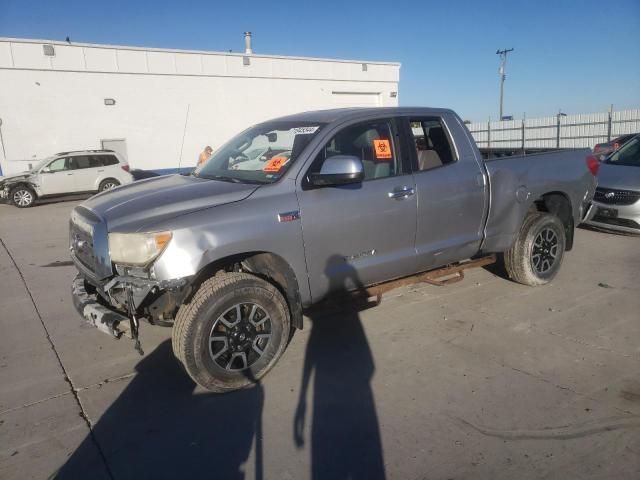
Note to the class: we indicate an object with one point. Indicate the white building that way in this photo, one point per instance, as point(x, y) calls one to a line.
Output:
point(161, 107)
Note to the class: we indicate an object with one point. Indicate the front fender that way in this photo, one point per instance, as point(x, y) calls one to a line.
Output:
point(235, 230)
point(11, 185)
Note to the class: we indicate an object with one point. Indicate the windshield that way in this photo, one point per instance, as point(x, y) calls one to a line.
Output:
point(629, 154)
point(261, 154)
point(41, 164)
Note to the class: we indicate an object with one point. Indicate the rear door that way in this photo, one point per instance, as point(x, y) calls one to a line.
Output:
point(360, 234)
point(85, 169)
point(451, 191)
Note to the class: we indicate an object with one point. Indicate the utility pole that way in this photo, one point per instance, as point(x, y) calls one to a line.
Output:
point(503, 73)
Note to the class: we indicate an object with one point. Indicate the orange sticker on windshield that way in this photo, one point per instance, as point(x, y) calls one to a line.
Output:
point(274, 165)
point(382, 149)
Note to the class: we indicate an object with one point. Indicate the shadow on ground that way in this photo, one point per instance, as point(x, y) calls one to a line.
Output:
point(158, 428)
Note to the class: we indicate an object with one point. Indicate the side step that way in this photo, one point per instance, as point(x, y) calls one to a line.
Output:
point(440, 277)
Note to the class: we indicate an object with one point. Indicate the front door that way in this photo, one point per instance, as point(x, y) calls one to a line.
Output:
point(356, 235)
point(57, 177)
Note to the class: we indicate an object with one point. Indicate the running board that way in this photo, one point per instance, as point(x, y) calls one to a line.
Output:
point(440, 277)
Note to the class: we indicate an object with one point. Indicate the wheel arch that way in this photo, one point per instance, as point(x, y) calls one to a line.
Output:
point(266, 265)
point(101, 180)
point(559, 204)
point(23, 184)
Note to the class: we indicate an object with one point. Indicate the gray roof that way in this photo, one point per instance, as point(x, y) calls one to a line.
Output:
point(341, 114)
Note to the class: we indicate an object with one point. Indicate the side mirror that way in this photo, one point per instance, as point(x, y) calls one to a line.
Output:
point(338, 170)
point(45, 170)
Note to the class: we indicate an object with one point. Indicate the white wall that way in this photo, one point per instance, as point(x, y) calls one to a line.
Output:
point(52, 104)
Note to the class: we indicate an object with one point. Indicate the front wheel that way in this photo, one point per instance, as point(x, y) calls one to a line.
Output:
point(536, 255)
point(22, 197)
point(232, 332)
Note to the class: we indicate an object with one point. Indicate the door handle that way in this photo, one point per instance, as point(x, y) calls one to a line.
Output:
point(69, 174)
point(100, 170)
point(402, 192)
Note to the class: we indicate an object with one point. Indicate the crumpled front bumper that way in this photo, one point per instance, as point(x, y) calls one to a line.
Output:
point(95, 313)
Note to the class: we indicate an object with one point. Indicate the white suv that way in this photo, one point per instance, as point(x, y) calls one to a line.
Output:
point(66, 173)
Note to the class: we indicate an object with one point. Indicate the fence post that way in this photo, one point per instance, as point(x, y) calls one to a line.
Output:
point(558, 132)
point(609, 123)
point(489, 136)
point(523, 136)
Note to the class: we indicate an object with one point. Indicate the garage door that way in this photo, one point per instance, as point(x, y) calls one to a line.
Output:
point(355, 99)
point(118, 145)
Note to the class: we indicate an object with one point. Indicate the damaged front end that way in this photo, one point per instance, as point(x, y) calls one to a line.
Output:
point(9, 182)
point(111, 297)
point(116, 306)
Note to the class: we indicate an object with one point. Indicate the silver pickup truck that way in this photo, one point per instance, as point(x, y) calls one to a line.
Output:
point(297, 209)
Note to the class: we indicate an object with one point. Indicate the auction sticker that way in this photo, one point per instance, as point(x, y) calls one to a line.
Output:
point(305, 130)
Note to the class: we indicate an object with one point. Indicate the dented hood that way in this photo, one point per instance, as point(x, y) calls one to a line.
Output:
point(134, 207)
point(15, 178)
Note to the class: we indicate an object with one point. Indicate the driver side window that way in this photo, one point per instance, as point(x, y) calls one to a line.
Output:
point(58, 165)
point(371, 142)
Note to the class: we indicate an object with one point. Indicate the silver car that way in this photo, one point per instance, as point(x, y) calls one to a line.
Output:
point(616, 204)
point(344, 199)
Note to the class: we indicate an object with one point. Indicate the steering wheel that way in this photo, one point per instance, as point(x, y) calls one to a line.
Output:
point(240, 157)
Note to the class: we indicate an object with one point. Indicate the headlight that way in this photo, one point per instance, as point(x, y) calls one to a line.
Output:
point(137, 249)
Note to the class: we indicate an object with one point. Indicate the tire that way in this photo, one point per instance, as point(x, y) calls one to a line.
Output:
point(22, 196)
point(536, 255)
point(108, 184)
point(209, 340)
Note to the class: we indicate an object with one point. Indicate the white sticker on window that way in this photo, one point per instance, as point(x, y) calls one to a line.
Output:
point(305, 130)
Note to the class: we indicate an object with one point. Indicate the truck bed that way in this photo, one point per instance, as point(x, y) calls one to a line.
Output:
point(514, 181)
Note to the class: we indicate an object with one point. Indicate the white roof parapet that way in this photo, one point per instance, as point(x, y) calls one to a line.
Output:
point(196, 52)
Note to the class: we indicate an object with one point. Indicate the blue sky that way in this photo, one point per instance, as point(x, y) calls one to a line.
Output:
point(578, 56)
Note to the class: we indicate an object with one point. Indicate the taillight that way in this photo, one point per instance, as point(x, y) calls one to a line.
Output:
point(593, 164)
point(125, 167)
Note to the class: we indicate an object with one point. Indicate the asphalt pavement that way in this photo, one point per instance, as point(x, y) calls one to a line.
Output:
point(482, 379)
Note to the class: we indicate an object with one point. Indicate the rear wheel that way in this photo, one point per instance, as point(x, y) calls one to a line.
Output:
point(108, 184)
point(232, 332)
point(22, 197)
point(536, 255)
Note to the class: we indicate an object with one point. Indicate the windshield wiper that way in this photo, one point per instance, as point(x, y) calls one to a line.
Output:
point(222, 178)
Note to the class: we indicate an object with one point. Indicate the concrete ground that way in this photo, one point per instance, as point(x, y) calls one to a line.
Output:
point(482, 379)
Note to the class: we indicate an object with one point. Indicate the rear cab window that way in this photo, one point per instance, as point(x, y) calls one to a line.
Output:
point(432, 142)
